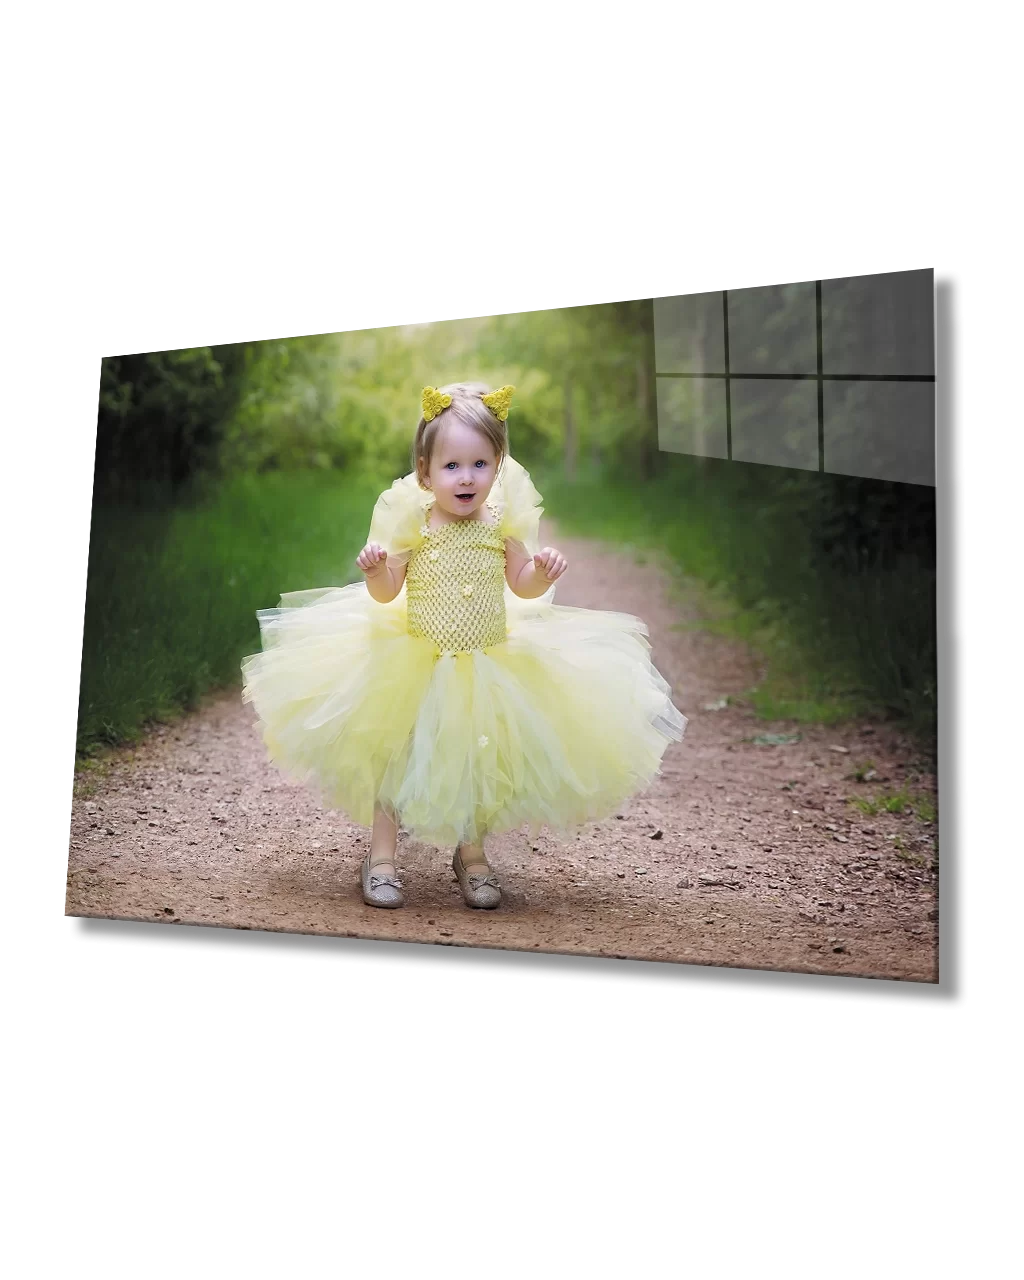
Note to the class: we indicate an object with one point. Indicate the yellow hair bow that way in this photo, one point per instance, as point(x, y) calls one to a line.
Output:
point(499, 401)
point(433, 402)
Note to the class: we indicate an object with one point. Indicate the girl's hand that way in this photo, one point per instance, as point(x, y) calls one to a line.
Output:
point(372, 560)
point(551, 563)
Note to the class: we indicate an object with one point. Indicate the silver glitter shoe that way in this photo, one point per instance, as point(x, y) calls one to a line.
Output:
point(380, 889)
point(479, 889)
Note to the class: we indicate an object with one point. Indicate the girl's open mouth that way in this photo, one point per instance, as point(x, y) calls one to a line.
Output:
point(465, 497)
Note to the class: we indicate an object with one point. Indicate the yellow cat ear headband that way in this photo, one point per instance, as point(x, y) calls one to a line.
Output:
point(434, 402)
point(497, 401)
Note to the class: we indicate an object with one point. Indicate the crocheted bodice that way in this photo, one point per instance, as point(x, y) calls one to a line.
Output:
point(455, 584)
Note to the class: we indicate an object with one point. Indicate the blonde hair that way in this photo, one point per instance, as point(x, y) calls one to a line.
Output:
point(466, 407)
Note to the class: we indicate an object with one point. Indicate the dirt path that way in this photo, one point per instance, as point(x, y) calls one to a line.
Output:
point(739, 854)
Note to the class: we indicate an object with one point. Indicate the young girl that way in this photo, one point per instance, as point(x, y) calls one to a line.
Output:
point(446, 693)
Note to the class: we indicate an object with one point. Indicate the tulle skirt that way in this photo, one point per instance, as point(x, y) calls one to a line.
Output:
point(553, 728)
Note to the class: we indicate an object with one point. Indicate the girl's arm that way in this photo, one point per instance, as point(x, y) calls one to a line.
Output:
point(530, 576)
point(383, 577)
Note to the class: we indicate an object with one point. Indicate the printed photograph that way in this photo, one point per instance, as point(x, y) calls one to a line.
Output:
point(607, 630)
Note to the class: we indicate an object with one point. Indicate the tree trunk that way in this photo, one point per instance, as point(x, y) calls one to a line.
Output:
point(647, 422)
point(642, 322)
point(570, 433)
point(698, 389)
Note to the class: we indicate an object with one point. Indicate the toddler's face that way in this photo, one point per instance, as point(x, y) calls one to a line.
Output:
point(462, 470)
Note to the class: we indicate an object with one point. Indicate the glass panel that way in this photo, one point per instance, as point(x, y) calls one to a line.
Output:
point(881, 324)
point(775, 422)
point(691, 416)
point(885, 430)
point(689, 334)
point(773, 329)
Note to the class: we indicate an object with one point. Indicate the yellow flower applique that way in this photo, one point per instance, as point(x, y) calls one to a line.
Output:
point(433, 402)
point(498, 401)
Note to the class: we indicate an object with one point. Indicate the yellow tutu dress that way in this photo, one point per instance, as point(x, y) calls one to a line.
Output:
point(459, 707)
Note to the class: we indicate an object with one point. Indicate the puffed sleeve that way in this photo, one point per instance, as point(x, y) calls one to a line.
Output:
point(520, 507)
point(398, 516)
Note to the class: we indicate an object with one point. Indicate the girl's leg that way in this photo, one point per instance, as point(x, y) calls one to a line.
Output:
point(470, 861)
point(381, 888)
point(383, 841)
point(473, 857)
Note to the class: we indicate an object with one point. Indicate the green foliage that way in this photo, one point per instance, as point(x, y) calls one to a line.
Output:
point(173, 592)
point(845, 635)
point(585, 387)
point(159, 419)
point(316, 402)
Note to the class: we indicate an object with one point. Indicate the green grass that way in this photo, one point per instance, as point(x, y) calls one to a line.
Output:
point(896, 802)
point(172, 594)
point(908, 855)
point(835, 645)
point(924, 808)
point(866, 804)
